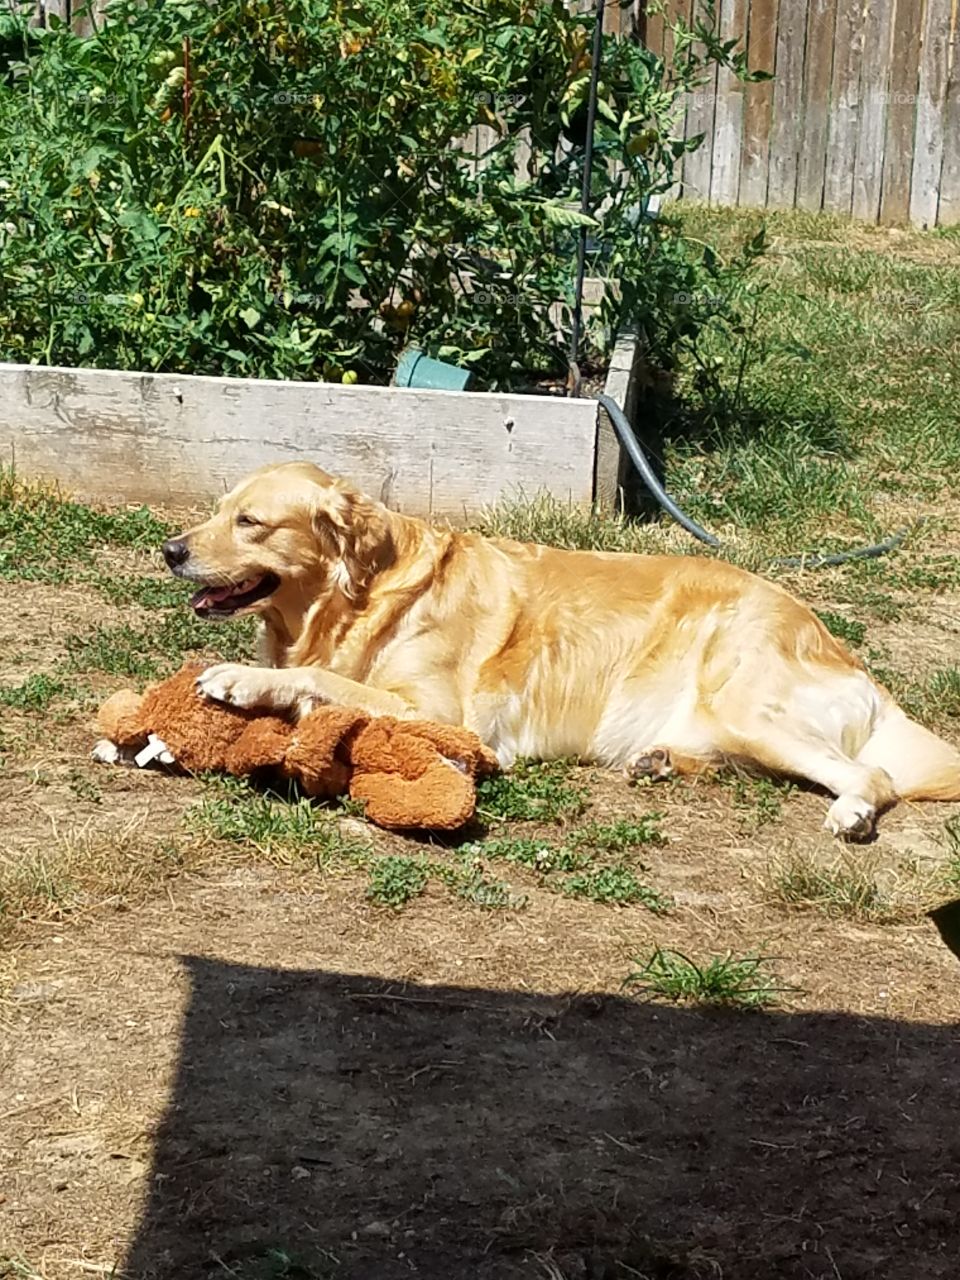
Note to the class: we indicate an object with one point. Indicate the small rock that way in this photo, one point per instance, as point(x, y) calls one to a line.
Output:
point(379, 1229)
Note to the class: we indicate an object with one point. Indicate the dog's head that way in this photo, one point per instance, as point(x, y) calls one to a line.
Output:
point(284, 535)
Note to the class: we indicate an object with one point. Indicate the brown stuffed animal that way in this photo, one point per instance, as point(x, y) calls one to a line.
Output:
point(408, 773)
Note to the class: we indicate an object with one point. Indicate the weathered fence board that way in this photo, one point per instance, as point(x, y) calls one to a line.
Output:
point(817, 76)
point(701, 111)
point(758, 104)
point(787, 104)
point(728, 121)
point(948, 210)
point(901, 114)
point(178, 440)
point(844, 108)
point(931, 101)
point(874, 98)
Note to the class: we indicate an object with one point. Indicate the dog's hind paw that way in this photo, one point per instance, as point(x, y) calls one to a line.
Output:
point(653, 764)
point(851, 818)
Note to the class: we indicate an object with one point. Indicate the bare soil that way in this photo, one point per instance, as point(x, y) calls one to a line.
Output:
point(248, 1070)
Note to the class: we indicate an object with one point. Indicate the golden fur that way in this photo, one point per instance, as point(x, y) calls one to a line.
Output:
point(656, 664)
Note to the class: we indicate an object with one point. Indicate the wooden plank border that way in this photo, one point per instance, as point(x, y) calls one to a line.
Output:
point(179, 440)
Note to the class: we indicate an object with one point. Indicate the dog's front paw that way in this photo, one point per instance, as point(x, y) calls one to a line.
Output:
point(235, 685)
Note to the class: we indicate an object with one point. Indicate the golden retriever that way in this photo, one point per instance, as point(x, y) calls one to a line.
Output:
point(657, 664)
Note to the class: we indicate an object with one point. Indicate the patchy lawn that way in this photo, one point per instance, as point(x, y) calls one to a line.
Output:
point(668, 1031)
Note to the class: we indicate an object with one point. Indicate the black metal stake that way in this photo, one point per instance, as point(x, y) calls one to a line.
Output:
point(573, 381)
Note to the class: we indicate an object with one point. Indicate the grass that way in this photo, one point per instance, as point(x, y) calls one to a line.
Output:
point(728, 980)
point(45, 537)
point(848, 630)
point(157, 649)
point(841, 428)
point(544, 518)
point(531, 792)
point(850, 887)
point(83, 870)
point(279, 828)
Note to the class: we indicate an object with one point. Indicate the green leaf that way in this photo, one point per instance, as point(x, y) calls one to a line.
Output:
point(142, 224)
point(250, 317)
point(560, 215)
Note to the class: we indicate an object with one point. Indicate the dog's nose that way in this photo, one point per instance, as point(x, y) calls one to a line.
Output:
point(175, 552)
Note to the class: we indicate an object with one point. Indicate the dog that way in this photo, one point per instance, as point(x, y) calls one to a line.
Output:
point(659, 665)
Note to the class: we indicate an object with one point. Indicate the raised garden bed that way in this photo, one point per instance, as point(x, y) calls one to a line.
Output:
point(181, 440)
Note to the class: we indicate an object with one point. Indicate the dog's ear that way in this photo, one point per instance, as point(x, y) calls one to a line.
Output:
point(361, 536)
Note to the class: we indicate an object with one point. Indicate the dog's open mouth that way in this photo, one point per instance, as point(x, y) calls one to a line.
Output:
point(224, 602)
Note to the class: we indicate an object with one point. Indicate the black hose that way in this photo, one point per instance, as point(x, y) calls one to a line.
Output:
point(630, 442)
point(585, 194)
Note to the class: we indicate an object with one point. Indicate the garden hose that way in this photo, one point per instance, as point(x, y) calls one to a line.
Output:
point(630, 442)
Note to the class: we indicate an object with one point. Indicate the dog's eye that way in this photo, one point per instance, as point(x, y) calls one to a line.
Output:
point(247, 520)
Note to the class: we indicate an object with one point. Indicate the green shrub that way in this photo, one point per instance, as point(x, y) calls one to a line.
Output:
point(275, 190)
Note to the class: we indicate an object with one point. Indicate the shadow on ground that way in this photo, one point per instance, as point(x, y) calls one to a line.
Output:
point(326, 1125)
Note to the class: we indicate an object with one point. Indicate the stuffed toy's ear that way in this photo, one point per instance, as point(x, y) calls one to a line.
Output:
point(412, 774)
point(120, 719)
point(317, 757)
point(441, 799)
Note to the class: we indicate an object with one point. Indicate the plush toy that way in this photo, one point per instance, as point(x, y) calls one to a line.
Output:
point(408, 773)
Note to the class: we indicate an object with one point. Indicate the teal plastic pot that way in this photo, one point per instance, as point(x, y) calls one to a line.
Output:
point(414, 369)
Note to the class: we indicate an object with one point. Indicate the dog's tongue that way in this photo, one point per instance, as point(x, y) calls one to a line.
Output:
point(210, 597)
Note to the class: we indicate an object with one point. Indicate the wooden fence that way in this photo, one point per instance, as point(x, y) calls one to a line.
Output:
point(862, 118)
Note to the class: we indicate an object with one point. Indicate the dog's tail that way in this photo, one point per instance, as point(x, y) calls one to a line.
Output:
point(922, 766)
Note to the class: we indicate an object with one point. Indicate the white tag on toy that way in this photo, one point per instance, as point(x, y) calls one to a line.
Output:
point(156, 749)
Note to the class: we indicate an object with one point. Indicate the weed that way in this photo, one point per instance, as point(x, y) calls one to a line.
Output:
point(83, 787)
point(395, 880)
point(616, 837)
point(35, 694)
point(723, 980)
point(615, 884)
point(759, 799)
point(846, 629)
point(539, 855)
point(531, 792)
point(477, 889)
